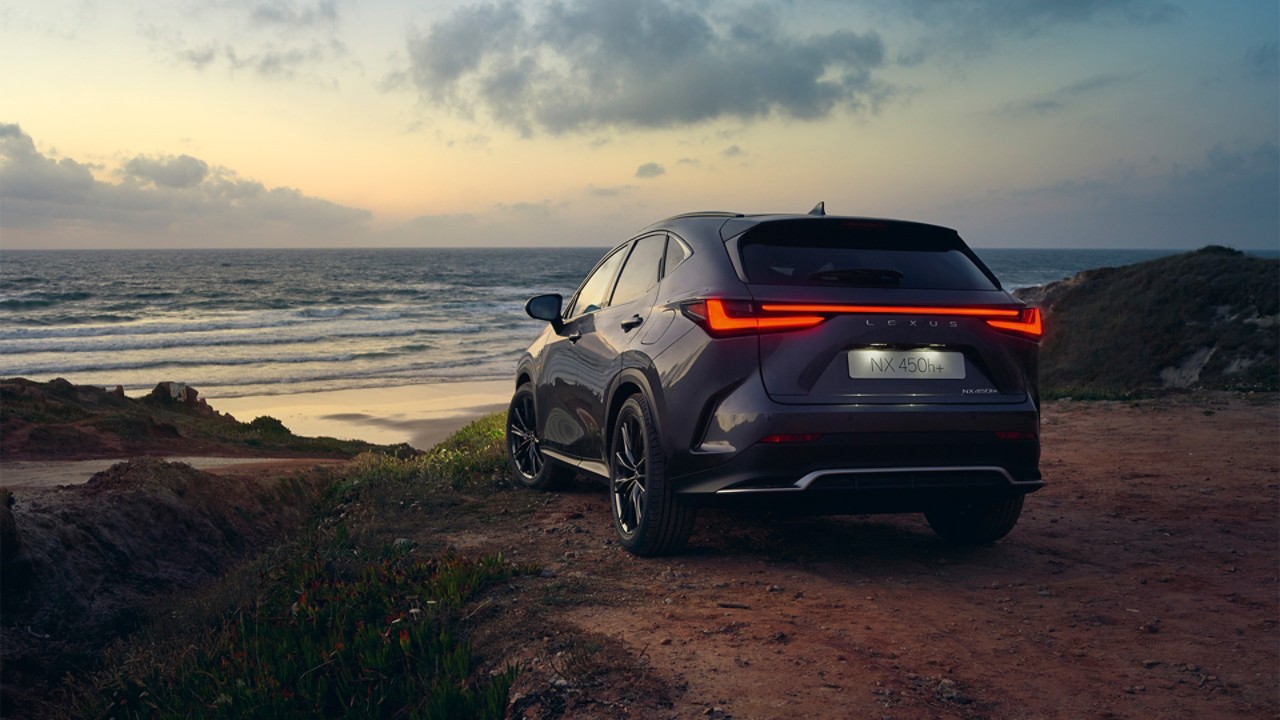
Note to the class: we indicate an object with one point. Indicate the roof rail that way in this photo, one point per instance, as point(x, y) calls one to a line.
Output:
point(702, 213)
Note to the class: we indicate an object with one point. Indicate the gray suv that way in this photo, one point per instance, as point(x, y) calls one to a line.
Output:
point(831, 364)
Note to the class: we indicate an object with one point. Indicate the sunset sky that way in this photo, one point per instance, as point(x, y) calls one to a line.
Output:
point(379, 123)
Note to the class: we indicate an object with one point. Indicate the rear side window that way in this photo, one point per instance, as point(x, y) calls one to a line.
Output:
point(677, 253)
point(840, 253)
point(641, 271)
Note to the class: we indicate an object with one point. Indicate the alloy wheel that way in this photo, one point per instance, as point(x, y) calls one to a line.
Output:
point(522, 441)
point(629, 475)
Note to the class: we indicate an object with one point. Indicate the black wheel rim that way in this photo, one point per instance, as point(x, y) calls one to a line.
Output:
point(629, 479)
point(522, 442)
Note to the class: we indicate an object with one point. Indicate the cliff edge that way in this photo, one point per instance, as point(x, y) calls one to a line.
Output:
point(1205, 319)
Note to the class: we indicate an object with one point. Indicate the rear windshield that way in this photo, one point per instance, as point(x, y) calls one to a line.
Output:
point(859, 254)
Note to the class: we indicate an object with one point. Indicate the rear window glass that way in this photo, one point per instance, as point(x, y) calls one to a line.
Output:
point(859, 254)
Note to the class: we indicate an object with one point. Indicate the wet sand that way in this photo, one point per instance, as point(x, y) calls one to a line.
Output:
point(421, 415)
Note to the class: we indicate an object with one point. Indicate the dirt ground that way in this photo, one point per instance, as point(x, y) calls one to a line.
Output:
point(81, 562)
point(1140, 583)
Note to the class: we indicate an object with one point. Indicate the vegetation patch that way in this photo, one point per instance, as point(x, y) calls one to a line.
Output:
point(374, 640)
point(1206, 319)
point(56, 419)
point(340, 618)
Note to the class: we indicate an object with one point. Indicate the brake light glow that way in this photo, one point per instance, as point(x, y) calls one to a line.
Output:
point(1028, 323)
point(788, 438)
point(894, 310)
point(733, 317)
point(722, 317)
point(1015, 435)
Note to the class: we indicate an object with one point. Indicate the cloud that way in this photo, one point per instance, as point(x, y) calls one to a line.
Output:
point(1060, 98)
point(608, 191)
point(1038, 16)
point(975, 26)
point(607, 220)
point(578, 65)
point(26, 174)
point(295, 14)
point(163, 201)
point(273, 39)
point(733, 151)
point(170, 172)
point(650, 170)
point(1263, 61)
point(1228, 198)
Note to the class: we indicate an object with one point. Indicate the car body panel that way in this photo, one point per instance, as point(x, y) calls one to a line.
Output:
point(882, 443)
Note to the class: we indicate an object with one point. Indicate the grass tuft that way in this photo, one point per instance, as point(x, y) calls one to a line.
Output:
point(340, 622)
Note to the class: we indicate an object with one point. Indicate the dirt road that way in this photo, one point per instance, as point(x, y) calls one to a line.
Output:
point(1140, 583)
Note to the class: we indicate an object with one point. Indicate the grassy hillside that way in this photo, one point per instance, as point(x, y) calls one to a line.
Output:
point(334, 614)
point(56, 419)
point(1204, 319)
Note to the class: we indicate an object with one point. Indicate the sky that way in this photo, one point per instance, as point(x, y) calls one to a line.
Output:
point(383, 123)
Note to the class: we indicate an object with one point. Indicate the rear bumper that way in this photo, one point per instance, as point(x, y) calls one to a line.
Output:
point(869, 458)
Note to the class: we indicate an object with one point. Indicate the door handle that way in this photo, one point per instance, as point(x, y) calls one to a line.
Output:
point(633, 323)
point(575, 337)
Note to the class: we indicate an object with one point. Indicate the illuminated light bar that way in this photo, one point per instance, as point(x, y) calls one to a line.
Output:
point(732, 317)
point(787, 438)
point(1024, 321)
point(893, 310)
point(1028, 323)
point(719, 320)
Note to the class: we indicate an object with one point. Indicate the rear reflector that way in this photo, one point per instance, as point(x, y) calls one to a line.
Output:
point(791, 438)
point(1015, 435)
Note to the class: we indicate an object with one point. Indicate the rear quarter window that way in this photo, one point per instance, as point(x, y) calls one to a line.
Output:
point(834, 253)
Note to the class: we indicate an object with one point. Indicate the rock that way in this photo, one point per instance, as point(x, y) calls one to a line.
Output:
point(949, 691)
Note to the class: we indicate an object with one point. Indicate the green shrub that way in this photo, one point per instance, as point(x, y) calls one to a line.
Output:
point(337, 623)
point(374, 642)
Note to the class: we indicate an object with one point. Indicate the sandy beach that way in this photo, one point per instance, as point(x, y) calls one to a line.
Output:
point(420, 415)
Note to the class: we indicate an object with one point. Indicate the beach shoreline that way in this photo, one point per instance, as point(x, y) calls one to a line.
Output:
point(420, 415)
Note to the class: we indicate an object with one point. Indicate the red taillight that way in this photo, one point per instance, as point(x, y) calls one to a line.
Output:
point(895, 310)
point(1028, 323)
point(789, 438)
point(733, 317)
point(1015, 435)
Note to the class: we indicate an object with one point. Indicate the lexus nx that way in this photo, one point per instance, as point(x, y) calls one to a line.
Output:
point(827, 364)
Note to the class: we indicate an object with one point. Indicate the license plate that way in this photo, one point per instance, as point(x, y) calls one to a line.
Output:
point(906, 365)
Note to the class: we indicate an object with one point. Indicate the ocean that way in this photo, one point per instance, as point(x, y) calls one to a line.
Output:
point(236, 323)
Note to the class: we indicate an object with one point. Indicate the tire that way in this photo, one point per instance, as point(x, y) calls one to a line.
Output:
point(978, 523)
point(530, 467)
point(647, 517)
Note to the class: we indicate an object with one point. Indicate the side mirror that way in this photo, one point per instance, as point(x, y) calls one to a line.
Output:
point(546, 307)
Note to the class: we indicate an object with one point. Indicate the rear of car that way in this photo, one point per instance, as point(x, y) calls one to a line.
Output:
point(891, 373)
point(826, 364)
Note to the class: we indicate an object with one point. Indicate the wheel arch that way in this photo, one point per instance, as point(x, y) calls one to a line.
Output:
point(633, 381)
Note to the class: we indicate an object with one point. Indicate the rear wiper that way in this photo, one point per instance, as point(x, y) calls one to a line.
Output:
point(867, 277)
